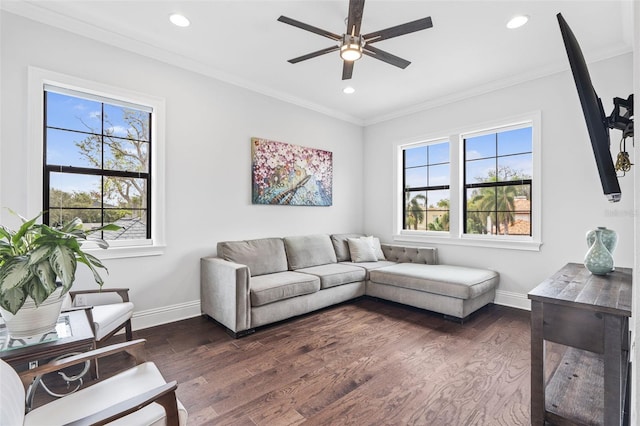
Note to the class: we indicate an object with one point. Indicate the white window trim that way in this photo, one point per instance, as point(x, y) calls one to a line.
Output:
point(455, 235)
point(37, 79)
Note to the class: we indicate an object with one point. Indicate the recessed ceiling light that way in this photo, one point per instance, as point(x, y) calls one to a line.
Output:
point(179, 20)
point(348, 90)
point(517, 21)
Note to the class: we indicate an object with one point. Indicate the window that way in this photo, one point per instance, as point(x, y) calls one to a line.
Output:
point(477, 187)
point(497, 182)
point(426, 176)
point(97, 152)
point(96, 163)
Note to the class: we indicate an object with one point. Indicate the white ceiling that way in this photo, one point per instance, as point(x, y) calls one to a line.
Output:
point(468, 51)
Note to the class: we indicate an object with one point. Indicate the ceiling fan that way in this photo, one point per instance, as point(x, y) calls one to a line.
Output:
point(352, 45)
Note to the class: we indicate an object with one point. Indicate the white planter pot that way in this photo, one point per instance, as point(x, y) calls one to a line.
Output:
point(31, 320)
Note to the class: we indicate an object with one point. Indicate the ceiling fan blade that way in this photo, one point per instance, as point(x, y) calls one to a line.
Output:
point(308, 27)
point(385, 57)
point(313, 54)
point(354, 20)
point(398, 30)
point(347, 70)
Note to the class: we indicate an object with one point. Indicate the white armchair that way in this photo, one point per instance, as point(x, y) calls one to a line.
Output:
point(136, 396)
point(108, 318)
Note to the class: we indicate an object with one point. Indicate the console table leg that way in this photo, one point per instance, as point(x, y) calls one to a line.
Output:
point(613, 343)
point(537, 365)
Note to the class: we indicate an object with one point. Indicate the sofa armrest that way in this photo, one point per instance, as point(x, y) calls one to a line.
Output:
point(224, 292)
point(404, 254)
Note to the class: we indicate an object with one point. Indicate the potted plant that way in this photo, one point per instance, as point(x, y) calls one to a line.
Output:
point(37, 268)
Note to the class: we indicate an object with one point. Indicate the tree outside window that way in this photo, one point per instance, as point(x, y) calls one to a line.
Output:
point(498, 176)
point(426, 176)
point(97, 163)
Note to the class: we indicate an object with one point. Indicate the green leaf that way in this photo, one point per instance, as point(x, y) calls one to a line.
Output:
point(14, 273)
point(84, 258)
point(39, 254)
point(64, 263)
point(45, 282)
point(13, 299)
point(5, 233)
point(26, 226)
point(38, 291)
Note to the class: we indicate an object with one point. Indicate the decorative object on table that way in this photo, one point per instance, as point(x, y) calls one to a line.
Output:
point(290, 174)
point(599, 260)
point(609, 238)
point(37, 268)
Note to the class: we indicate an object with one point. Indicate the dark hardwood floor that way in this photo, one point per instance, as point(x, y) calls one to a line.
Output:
point(366, 362)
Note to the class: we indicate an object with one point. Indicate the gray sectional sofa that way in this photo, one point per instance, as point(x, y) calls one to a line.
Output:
point(258, 282)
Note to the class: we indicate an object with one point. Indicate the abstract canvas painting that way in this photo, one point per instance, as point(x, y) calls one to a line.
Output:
point(290, 174)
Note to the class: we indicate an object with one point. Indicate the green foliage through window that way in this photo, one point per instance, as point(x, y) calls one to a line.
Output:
point(426, 178)
point(97, 163)
point(498, 174)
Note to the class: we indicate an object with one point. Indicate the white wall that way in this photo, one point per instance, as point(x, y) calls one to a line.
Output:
point(208, 167)
point(572, 200)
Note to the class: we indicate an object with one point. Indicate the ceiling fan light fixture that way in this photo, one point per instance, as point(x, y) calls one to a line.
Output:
point(351, 47)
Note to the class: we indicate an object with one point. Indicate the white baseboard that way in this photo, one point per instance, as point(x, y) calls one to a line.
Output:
point(514, 300)
point(166, 314)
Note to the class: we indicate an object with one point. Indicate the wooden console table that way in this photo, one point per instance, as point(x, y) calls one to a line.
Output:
point(590, 315)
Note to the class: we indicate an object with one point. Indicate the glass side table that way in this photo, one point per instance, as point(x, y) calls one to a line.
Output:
point(73, 334)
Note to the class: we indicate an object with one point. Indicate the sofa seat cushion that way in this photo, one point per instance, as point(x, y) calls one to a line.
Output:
point(370, 266)
point(271, 288)
point(335, 274)
point(447, 280)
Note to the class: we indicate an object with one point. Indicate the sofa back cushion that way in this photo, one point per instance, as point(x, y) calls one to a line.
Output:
point(341, 246)
point(309, 250)
point(262, 256)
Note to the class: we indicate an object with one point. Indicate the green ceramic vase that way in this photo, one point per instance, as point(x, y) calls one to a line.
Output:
point(608, 236)
point(598, 259)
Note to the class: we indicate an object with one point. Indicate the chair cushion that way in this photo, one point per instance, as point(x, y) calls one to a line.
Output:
point(309, 250)
point(271, 288)
point(107, 318)
point(262, 256)
point(104, 394)
point(11, 396)
point(334, 274)
point(447, 280)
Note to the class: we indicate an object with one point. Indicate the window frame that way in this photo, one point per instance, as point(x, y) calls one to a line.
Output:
point(37, 80)
point(456, 235)
point(426, 189)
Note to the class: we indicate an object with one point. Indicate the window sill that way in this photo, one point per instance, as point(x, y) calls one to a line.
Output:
point(467, 241)
point(124, 252)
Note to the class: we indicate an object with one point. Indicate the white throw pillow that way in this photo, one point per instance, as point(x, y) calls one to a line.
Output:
point(361, 250)
point(375, 243)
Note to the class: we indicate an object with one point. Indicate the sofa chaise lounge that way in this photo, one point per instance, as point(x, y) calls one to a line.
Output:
point(258, 282)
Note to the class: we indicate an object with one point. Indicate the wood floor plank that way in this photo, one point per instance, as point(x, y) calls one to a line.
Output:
point(367, 362)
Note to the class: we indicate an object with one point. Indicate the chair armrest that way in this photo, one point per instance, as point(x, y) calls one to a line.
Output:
point(122, 292)
point(135, 348)
point(164, 395)
point(224, 292)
